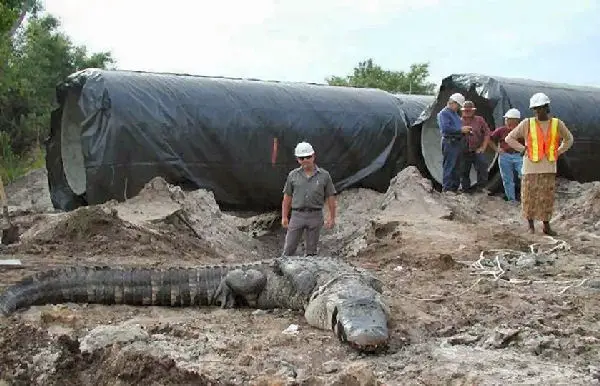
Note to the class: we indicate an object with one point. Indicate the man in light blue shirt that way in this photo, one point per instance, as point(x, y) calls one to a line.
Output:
point(453, 142)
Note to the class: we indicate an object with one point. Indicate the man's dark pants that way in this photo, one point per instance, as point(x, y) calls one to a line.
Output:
point(452, 152)
point(471, 158)
point(310, 222)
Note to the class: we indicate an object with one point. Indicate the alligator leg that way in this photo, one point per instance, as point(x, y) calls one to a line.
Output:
point(240, 287)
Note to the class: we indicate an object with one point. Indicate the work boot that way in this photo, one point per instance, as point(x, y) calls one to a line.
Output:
point(547, 229)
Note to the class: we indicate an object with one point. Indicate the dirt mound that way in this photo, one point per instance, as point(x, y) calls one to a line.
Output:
point(366, 218)
point(160, 202)
point(84, 224)
point(161, 219)
point(411, 193)
point(30, 355)
point(110, 365)
point(94, 231)
point(355, 209)
point(219, 229)
point(578, 206)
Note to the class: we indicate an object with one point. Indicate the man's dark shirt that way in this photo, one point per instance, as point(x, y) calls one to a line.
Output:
point(309, 192)
point(499, 135)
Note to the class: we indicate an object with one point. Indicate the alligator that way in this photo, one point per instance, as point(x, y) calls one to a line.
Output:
point(333, 294)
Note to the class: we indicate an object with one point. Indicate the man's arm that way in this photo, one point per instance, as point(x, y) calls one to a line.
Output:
point(286, 203)
point(512, 139)
point(567, 138)
point(495, 135)
point(286, 206)
point(494, 138)
point(486, 139)
point(331, 200)
point(332, 206)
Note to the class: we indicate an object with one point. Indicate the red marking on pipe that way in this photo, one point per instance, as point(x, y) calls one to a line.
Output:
point(274, 151)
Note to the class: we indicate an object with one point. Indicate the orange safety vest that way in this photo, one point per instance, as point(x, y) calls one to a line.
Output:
point(538, 146)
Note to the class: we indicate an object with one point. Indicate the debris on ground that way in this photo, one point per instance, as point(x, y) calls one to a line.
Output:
point(14, 263)
point(474, 298)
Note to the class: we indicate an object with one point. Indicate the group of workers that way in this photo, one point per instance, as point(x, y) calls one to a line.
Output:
point(528, 148)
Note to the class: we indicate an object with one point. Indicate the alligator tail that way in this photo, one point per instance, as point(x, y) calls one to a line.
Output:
point(107, 285)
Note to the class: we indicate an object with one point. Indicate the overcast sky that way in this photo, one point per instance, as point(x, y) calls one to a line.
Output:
point(308, 40)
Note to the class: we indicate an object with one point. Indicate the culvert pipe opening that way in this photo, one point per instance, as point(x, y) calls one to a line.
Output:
point(71, 149)
point(431, 138)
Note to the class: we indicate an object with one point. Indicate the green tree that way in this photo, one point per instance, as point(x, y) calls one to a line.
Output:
point(33, 59)
point(370, 75)
point(12, 14)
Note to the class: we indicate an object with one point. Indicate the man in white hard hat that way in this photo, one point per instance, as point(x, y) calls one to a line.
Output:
point(546, 138)
point(305, 192)
point(453, 142)
point(510, 161)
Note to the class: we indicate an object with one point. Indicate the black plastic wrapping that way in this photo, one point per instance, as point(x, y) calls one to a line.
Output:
point(233, 137)
point(577, 106)
point(414, 105)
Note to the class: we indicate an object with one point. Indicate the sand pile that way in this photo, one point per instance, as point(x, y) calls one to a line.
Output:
point(161, 214)
point(411, 193)
point(98, 231)
point(159, 203)
point(365, 215)
point(578, 206)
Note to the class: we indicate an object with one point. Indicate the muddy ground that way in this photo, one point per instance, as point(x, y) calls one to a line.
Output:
point(462, 313)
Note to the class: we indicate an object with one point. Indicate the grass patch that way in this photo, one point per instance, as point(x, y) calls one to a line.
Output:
point(13, 166)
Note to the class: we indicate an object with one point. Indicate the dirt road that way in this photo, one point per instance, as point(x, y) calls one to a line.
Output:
point(459, 317)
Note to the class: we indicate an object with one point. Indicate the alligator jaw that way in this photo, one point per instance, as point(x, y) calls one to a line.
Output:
point(353, 310)
point(362, 323)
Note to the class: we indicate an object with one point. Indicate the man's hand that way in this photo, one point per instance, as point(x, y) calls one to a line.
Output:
point(466, 129)
point(523, 151)
point(329, 222)
point(284, 222)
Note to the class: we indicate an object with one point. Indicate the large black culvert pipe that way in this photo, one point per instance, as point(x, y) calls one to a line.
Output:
point(577, 106)
point(116, 130)
point(414, 105)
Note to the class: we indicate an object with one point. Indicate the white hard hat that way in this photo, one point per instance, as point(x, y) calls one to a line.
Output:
point(513, 113)
point(458, 98)
point(538, 99)
point(304, 149)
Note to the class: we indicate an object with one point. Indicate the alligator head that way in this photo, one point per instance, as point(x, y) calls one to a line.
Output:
point(362, 322)
point(344, 299)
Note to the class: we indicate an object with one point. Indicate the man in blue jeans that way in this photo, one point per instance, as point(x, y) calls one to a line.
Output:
point(510, 161)
point(453, 142)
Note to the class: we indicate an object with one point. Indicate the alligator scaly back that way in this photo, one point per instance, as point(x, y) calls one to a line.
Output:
point(175, 287)
point(332, 294)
